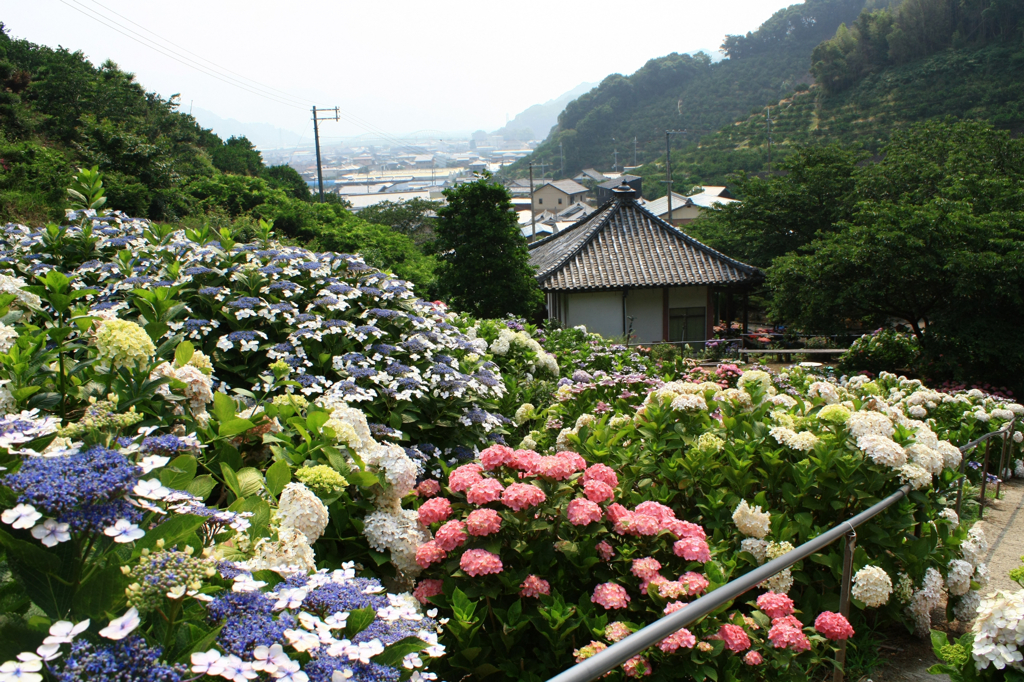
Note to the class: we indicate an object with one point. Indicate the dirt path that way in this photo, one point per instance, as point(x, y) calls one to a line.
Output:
point(908, 659)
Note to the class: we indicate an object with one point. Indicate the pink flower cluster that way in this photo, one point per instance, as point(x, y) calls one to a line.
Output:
point(558, 467)
point(734, 636)
point(775, 605)
point(451, 535)
point(680, 639)
point(477, 562)
point(833, 625)
point(753, 658)
point(646, 568)
point(520, 496)
point(602, 473)
point(465, 477)
point(610, 596)
point(605, 551)
point(429, 553)
point(484, 491)
point(650, 518)
point(435, 510)
point(428, 488)
point(688, 585)
point(426, 589)
point(693, 549)
point(598, 491)
point(616, 631)
point(638, 666)
point(787, 633)
point(534, 587)
point(674, 606)
point(482, 522)
point(582, 512)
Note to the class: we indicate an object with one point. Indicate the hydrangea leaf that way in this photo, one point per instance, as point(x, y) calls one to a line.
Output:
point(179, 473)
point(394, 654)
point(278, 476)
point(359, 620)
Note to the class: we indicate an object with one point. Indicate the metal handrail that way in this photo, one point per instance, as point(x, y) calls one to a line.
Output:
point(622, 651)
point(646, 637)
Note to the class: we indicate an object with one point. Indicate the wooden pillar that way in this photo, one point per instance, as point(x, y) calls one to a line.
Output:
point(664, 314)
point(728, 313)
point(709, 315)
point(746, 312)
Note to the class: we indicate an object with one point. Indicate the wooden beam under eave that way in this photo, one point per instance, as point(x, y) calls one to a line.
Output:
point(664, 313)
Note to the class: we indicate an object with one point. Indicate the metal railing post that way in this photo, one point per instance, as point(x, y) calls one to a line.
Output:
point(1007, 446)
point(960, 484)
point(984, 481)
point(839, 674)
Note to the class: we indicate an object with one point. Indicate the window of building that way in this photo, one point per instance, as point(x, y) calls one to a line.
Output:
point(559, 201)
point(540, 200)
point(686, 324)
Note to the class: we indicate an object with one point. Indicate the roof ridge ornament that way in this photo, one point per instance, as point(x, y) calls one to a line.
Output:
point(624, 192)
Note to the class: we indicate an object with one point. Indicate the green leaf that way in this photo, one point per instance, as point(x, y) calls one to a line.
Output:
point(938, 642)
point(102, 594)
point(201, 486)
point(394, 654)
point(233, 427)
point(363, 479)
point(230, 479)
point(278, 476)
point(250, 481)
point(199, 641)
point(172, 531)
point(223, 407)
point(179, 472)
point(183, 353)
point(260, 518)
point(462, 606)
point(358, 621)
point(30, 553)
point(316, 420)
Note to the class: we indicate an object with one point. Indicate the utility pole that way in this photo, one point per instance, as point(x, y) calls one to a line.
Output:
point(533, 209)
point(561, 155)
point(634, 151)
point(316, 136)
point(769, 140)
point(615, 164)
point(668, 167)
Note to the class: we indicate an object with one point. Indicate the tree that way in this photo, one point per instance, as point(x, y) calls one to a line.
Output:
point(415, 218)
point(781, 213)
point(238, 156)
point(483, 263)
point(936, 239)
point(286, 178)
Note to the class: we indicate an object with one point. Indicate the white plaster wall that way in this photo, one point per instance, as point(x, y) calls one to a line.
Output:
point(600, 311)
point(647, 307)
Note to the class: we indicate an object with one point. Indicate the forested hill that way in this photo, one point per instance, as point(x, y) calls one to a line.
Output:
point(891, 68)
point(680, 92)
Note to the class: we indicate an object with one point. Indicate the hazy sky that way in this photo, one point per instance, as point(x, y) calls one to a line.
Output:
point(398, 65)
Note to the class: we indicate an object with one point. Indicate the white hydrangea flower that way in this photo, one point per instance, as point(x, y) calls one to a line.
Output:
point(973, 549)
point(825, 391)
point(951, 455)
point(868, 423)
point(958, 577)
point(400, 532)
point(904, 588)
point(751, 521)
point(981, 575)
point(915, 475)
point(761, 379)
point(926, 458)
point(689, 403)
point(759, 548)
point(999, 630)
point(966, 607)
point(951, 516)
point(782, 400)
point(301, 509)
point(290, 553)
point(872, 586)
point(524, 413)
point(881, 449)
point(782, 581)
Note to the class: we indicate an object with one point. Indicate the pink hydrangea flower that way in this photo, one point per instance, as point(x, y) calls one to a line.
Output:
point(603, 473)
point(465, 477)
point(673, 606)
point(616, 631)
point(534, 587)
point(695, 583)
point(734, 636)
point(833, 625)
point(575, 460)
point(753, 658)
point(451, 535)
point(585, 652)
point(672, 589)
point(435, 510)
point(645, 524)
point(655, 509)
point(684, 529)
point(581, 512)
point(496, 456)
point(525, 460)
point(787, 633)
point(692, 549)
point(428, 488)
point(555, 468)
point(610, 596)
point(598, 491)
point(645, 568)
point(616, 511)
point(520, 496)
point(775, 605)
point(429, 553)
point(483, 522)
point(638, 666)
point(680, 639)
point(487, 490)
point(476, 562)
point(605, 551)
point(426, 589)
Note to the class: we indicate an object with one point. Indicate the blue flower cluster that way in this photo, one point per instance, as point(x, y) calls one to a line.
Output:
point(129, 660)
point(248, 622)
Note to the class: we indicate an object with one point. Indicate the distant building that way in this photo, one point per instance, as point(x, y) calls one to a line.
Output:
point(623, 269)
point(605, 190)
point(687, 209)
point(558, 195)
point(590, 175)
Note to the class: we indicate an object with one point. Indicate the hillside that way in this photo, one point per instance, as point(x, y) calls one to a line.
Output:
point(536, 122)
point(678, 92)
point(864, 99)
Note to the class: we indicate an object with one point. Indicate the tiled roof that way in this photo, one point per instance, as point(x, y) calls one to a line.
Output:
point(567, 186)
point(622, 245)
point(615, 182)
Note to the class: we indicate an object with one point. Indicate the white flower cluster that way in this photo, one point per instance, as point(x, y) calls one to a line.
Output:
point(915, 475)
point(803, 441)
point(301, 519)
point(751, 521)
point(868, 423)
point(524, 413)
point(197, 375)
point(951, 516)
point(13, 285)
point(689, 402)
point(872, 586)
point(926, 599)
point(759, 548)
point(301, 509)
point(763, 380)
point(958, 577)
point(825, 391)
point(974, 547)
point(881, 449)
point(966, 608)
point(782, 581)
point(999, 631)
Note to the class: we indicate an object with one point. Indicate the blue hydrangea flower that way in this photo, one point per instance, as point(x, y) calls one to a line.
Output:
point(128, 660)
